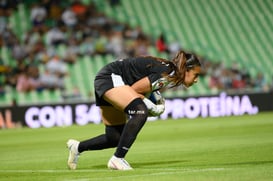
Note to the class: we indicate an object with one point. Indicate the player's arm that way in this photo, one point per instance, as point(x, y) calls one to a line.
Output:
point(142, 86)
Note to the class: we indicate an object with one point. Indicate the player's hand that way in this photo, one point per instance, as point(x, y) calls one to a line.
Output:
point(155, 103)
point(157, 110)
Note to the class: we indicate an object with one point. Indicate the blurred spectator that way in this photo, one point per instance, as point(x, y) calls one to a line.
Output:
point(27, 79)
point(100, 45)
point(133, 33)
point(247, 78)
point(237, 80)
point(44, 55)
point(161, 44)
point(19, 51)
point(12, 76)
point(235, 67)
point(75, 95)
point(33, 40)
point(214, 82)
point(173, 48)
point(38, 47)
point(50, 81)
point(141, 46)
point(97, 20)
point(8, 37)
point(34, 74)
point(54, 9)
point(79, 9)
point(55, 36)
point(56, 70)
point(8, 6)
point(225, 79)
point(3, 20)
point(87, 47)
point(116, 44)
point(57, 66)
point(23, 83)
point(2, 89)
point(72, 51)
point(260, 83)
point(38, 15)
point(69, 18)
point(3, 68)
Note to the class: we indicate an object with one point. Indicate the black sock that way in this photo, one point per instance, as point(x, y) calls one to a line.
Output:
point(96, 143)
point(138, 113)
point(108, 140)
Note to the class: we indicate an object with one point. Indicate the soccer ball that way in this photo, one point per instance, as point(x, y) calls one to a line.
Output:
point(156, 97)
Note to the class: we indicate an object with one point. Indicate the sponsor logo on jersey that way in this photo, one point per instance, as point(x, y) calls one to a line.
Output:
point(160, 83)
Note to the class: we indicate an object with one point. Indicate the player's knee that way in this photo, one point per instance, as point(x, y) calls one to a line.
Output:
point(137, 109)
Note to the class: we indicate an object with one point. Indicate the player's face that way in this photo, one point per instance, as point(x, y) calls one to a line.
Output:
point(191, 76)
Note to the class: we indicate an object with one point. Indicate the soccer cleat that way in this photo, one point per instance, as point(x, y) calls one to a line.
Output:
point(74, 154)
point(116, 163)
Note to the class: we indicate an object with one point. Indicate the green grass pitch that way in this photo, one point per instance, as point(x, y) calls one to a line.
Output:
point(227, 148)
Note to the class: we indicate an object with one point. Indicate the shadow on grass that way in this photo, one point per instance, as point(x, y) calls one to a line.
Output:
point(174, 163)
point(234, 164)
point(144, 164)
point(249, 163)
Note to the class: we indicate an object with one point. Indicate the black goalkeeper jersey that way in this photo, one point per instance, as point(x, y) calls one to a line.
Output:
point(133, 69)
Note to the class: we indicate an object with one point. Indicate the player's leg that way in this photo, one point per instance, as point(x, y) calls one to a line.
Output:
point(114, 121)
point(113, 130)
point(135, 108)
point(131, 104)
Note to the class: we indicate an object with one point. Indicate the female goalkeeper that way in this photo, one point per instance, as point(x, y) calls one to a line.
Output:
point(120, 89)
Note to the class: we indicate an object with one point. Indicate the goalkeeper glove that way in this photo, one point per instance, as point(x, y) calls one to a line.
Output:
point(154, 109)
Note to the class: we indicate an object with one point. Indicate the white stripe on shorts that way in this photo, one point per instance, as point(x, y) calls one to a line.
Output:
point(117, 80)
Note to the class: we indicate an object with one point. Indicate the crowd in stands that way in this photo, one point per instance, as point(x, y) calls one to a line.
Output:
point(221, 77)
point(62, 31)
point(234, 78)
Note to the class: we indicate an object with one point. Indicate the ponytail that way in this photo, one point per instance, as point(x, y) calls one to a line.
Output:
point(181, 63)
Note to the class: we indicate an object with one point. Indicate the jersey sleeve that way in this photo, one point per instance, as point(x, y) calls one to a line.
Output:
point(155, 76)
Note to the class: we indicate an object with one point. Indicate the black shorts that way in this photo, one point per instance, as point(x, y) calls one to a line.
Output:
point(105, 83)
